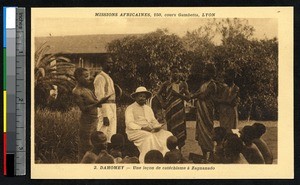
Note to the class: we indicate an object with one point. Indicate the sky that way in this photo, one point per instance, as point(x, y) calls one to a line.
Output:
point(264, 27)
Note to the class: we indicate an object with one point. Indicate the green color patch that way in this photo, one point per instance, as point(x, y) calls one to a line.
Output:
point(4, 69)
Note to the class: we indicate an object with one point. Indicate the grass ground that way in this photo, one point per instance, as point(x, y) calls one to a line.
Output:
point(56, 136)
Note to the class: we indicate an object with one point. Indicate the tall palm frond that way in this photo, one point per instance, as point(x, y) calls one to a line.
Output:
point(53, 70)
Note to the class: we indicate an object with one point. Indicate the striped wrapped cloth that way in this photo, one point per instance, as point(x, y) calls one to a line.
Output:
point(175, 117)
point(204, 116)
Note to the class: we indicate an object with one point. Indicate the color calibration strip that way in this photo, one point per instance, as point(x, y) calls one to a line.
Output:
point(14, 91)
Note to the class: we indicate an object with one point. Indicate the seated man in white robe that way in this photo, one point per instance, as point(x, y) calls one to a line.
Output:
point(141, 126)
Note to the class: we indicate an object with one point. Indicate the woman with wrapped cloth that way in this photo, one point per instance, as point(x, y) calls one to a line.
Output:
point(228, 102)
point(171, 96)
point(205, 110)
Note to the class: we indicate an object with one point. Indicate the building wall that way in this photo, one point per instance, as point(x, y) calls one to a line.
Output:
point(92, 62)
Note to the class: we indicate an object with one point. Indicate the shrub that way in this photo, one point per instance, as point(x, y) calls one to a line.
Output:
point(266, 108)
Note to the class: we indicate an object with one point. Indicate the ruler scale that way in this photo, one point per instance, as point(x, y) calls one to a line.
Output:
point(14, 92)
point(10, 89)
point(20, 100)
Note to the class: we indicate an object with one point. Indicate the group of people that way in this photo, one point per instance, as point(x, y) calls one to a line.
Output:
point(115, 151)
point(97, 131)
point(248, 148)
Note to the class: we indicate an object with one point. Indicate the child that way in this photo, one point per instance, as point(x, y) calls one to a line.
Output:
point(174, 155)
point(260, 129)
point(250, 151)
point(88, 103)
point(233, 146)
point(218, 136)
point(117, 147)
point(154, 157)
point(99, 141)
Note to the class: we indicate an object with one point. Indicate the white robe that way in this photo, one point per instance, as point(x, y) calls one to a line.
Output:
point(136, 117)
point(104, 86)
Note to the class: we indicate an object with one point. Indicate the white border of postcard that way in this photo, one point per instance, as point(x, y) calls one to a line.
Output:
point(285, 165)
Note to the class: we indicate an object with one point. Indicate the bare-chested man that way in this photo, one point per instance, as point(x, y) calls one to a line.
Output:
point(88, 103)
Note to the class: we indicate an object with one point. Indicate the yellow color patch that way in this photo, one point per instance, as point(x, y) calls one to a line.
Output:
point(4, 111)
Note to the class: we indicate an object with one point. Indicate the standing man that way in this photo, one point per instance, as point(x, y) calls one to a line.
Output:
point(205, 110)
point(171, 96)
point(104, 86)
point(88, 104)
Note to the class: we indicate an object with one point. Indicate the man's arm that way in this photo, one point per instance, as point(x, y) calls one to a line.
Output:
point(186, 94)
point(234, 98)
point(99, 86)
point(186, 89)
point(211, 89)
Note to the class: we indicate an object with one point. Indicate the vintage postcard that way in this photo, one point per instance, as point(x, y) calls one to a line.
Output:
point(162, 93)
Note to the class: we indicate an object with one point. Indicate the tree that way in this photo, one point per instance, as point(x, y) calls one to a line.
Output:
point(146, 59)
point(200, 47)
point(255, 62)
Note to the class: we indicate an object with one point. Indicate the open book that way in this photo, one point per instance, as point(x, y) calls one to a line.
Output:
point(158, 126)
